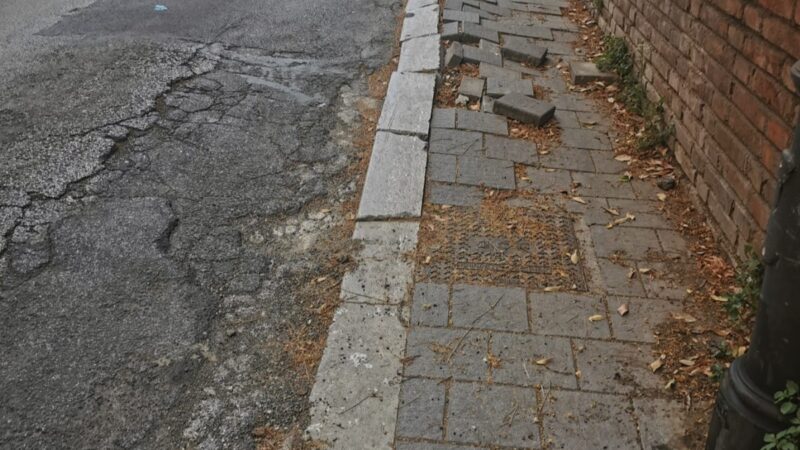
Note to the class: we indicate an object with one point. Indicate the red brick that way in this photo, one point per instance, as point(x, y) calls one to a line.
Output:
point(731, 7)
point(778, 133)
point(752, 17)
point(759, 209)
point(782, 35)
point(783, 8)
point(722, 219)
point(749, 105)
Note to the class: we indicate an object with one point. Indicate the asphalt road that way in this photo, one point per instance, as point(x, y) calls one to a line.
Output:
point(165, 181)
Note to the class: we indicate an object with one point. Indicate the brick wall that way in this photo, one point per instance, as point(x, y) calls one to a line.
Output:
point(721, 68)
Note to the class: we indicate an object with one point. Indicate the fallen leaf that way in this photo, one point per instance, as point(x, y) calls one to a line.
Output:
point(645, 270)
point(623, 309)
point(574, 257)
point(688, 318)
point(717, 298)
point(596, 318)
point(670, 384)
point(628, 218)
point(427, 260)
point(686, 362)
point(611, 211)
point(552, 288)
point(623, 158)
point(543, 361)
point(579, 200)
point(631, 273)
point(655, 365)
point(662, 196)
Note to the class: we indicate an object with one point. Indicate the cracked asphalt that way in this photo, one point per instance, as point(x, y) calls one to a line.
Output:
point(168, 181)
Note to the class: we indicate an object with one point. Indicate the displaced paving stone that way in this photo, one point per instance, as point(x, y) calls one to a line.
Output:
point(495, 9)
point(477, 55)
point(490, 46)
point(517, 150)
point(491, 414)
point(601, 185)
point(421, 412)
point(635, 243)
point(618, 279)
point(487, 104)
point(587, 139)
point(430, 305)
point(498, 87)
point(478, 121)
point(450, 15)
point(616, 367)
point(569, 159)
point(587, 72)
point(525, 109)
point(442, 167)
point(443, 118)
point(360, 360)
point(642, 318)
point(584, 420)
point(533, 360)
point(555, 48)
point(455, 195)
point(443, 353)
point(454, 5)
point(471, 87)
point(517, 29)
point(481, 171)
point(495, 308)
point(662, 423)
point(407, 106)
point(492, 71)
point(420, 22)
point(523, 50)
point(456, 142)
point(546, 181)
point(396, 161)
point(451, 31)
point(420, 55)
point(473, 33)
point(568, 315)
point(454, 55)
point(483, 14)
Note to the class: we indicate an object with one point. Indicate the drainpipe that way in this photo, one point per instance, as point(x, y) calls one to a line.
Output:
point(745, 410)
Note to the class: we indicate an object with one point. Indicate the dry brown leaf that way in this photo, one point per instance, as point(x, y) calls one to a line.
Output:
point(686, 362)
point(579, 200)
point(595, 318)
point(611, 211)
point(717, 298)
point(688, 318)
point(574, 257)
point(543, 361)
point(552, 288)
point(623, 309)
point(657, 364)
point(623, 158)
point(661, 196)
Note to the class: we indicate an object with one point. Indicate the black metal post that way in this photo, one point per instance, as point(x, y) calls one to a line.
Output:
point(745, 411)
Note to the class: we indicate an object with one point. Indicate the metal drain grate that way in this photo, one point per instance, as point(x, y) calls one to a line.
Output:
point(534, 251)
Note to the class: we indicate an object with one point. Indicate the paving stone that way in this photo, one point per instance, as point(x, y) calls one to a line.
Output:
point(496, 10)
point(490, 46)
point(385, 239)
point(616, 367)
point(525, 109)
point(454, 55)
point(421, 412)
point(590, 119)
point(481, 171)
point(617, 280)
point(431, 446)
point(396, 161)
point(443, 118)
point(547, 181)
point(460, 16)
point(471, 87)
point(487, 104)
point(414, 5)
point(568, 315)
point(604, 163)
point(482, 13)
point(599, 216)
point(571, 102)
point(443, 353)
point(378, 281)
point(638, 206)
point(642, 318)
point(498, 87)
point(555, 84)
point(586, 420)
point(587, 72)
point(429, 307)
point(456, 195)
point(517, 150)
point(523, 50)
point(565, 36)
point(518, 355)
point(567, 119)
point(407, 106)
point(420, 22)
point(587, 139)
point(601, 185)
point(493, 415)
point(646, 189)
point(451, 31)
point(456, 142)
point(477, 55)
point(492, 71)
point(555, 48)
point(496, 308)
point(442, 167)
point(662, 423)
point(478, 121)
point(663, 282)
point(455, 5)
point(568, 158)
point(634, 243)
point(420, 55)
point(473, 33)
point(517, 29)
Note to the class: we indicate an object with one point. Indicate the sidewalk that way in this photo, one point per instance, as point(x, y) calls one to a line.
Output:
point(515, 338)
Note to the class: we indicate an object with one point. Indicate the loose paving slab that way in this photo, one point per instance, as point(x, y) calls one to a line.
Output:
point(408, 102)
point(523, 50)
point(519, 30)
point(525, 109)
point(443, 118)
point(473, 33)
point(449, 15)
point(498, 87)
point(477, 55)
point(471, 87)
point(454, 55)
point(587, 72)
point(492, 71)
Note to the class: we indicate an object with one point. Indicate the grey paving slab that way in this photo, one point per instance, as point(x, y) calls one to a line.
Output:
point(637, 206)
point(568, 158)
point(430, 305)
point(662, 281)
point(492, 414)
point(567, 314)
point(594, 120)
point(546, 181)
point(454, 5)
point(524, 109)
point(529, 360)
point(573, 102)
point(482, 13)
point(473, 33)
point(482, 171)
point(361, 361)
point(421, 411)
point(396, 161)
point(517, 29)
point(518, 67)
point(600, 216)
point(432, 446)
point(498, 87)
point(662, 423)
point(421, 54)
point(414, 5)
point(495, 9)
point(584, 420)
point(420, 22)
point(477, 55)
point(408, 103)
point(567, 119)
point(517, 150)
point(471, 87)
point(618, 280)
point(454, 54)
point(385, 239)
point(634, 243)
point(586, 139)
point(646, 189)
point(497, 308)
point(451, 31)
point(443, 118)
point(616, 367)
point(450, 15)
point(487, 104)
point(484, 122)
point(583, 72)
point(673, 243)
point(490, 46)
point(604, 163)
point(456, 142)
point(643, 316)
point(378, 281)
point(442, 353)
point(523, 50)
point(555, 48)
point(455, 195)
point(442, 167)
point(492, 71)
point(601, 185)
